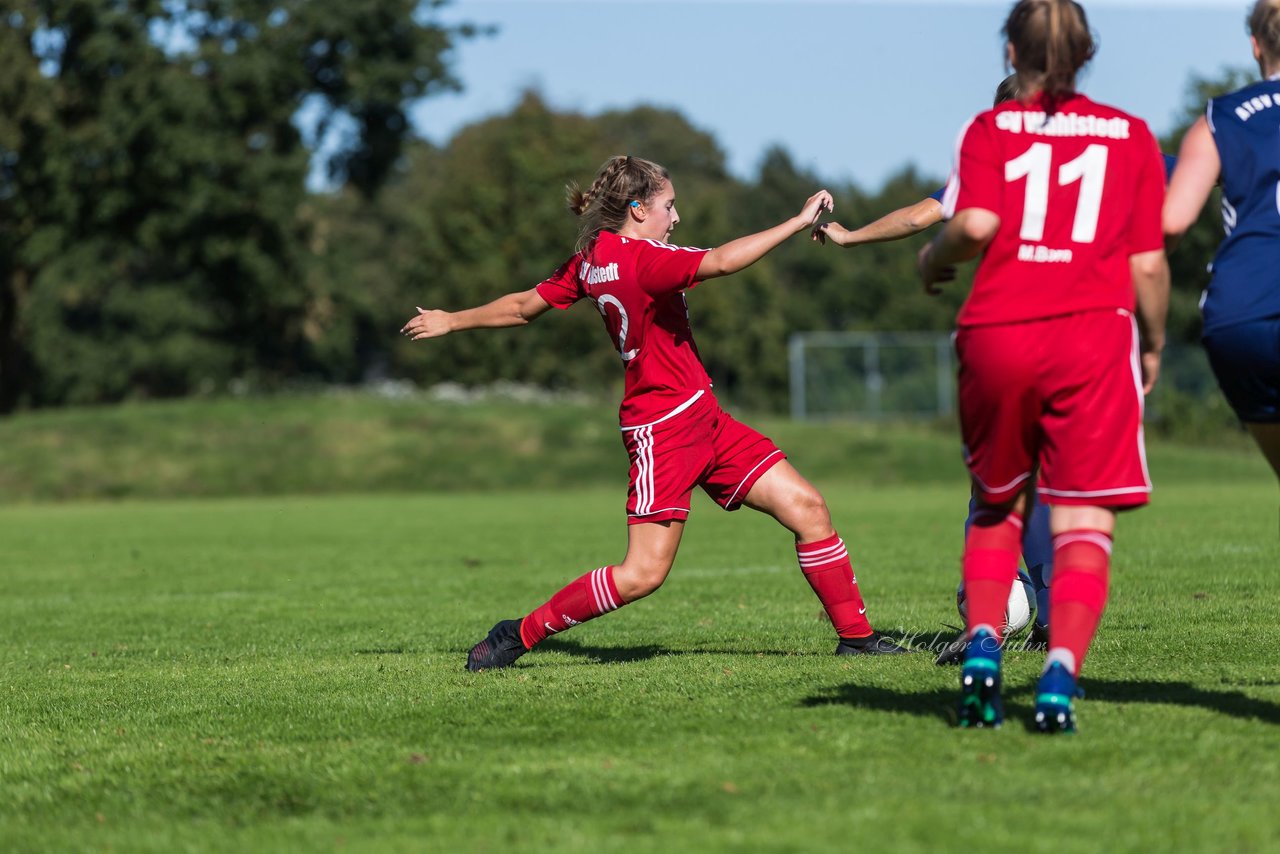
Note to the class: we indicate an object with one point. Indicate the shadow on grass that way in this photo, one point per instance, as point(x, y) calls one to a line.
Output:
point(1233, 703)
point(938, 703)
point(642, 653)
point(941, 703)
point(613, 654)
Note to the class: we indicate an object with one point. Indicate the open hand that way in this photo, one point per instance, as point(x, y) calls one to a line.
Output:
point(427, 323)
point(833, 231)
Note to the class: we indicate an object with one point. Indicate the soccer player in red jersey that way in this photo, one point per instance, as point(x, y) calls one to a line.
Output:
point(1058, 341)
point(674, 430)
point(1037, 543)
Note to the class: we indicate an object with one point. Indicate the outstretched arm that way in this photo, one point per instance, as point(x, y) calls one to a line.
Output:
point(895, 225)
point(745, 251)
point(1198, 169)
point(515, 309)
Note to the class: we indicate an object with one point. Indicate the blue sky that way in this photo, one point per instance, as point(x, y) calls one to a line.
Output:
point(853, 89)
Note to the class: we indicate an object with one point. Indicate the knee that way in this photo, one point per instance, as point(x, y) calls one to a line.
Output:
point(636, 579)
point(809, 509)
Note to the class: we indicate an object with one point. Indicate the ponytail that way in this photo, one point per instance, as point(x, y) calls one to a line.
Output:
point(1006, 91)
point(1051, 43)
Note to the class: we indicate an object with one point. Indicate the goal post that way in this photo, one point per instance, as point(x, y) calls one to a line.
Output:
point(871, 375)
point(905, 375)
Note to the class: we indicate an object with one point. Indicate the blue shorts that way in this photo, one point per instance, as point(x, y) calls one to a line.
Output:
point(1246, 360)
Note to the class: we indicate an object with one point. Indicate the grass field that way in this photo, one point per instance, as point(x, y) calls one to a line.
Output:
point(286, 673)
point(344, 443)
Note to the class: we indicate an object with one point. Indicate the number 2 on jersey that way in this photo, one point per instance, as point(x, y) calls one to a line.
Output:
point(602, 305)
point(1035, 164)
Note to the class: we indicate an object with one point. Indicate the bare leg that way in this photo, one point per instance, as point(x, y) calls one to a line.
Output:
point(1268, 438)
point(651, 551)
point(793, 501)
point(1063, 518)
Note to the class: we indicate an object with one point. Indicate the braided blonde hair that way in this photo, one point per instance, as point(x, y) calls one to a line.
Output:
point(604, 205)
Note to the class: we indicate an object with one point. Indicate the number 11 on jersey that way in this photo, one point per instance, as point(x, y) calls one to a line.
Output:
point(1035, 164)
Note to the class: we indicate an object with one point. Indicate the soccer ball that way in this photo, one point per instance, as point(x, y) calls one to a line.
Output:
point(1021, 607)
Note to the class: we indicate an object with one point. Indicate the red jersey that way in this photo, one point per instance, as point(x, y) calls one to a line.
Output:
point(638, 287)
point(1077, 192)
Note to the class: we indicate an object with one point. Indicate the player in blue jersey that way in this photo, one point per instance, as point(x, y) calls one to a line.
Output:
point(1037, 544)
point(1237, 142)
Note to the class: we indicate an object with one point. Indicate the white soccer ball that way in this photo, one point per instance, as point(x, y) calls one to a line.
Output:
point(1021, 607)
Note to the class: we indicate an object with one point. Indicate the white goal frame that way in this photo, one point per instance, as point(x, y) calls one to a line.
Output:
point(872, 344)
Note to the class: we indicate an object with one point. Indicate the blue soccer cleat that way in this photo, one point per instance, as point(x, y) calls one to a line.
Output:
point(1054, 693)
point(980, 704)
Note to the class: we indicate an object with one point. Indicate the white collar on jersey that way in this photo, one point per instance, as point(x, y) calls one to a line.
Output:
point(1275, 76)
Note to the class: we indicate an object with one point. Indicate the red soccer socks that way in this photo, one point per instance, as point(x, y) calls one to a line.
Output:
point(578, 601)
point(1078, 594)
point(990, 564)
point(826, 567)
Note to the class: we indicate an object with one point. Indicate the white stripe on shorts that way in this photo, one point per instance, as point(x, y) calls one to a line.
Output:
point(644, 470)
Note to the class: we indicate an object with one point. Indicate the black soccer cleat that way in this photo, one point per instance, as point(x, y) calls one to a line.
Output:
point(873, 644)
point(1038, 639)
point(500, 648)
point(953, 652)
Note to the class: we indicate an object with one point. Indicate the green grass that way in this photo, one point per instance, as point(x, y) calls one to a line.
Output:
point(343, 443)
point(286, 673)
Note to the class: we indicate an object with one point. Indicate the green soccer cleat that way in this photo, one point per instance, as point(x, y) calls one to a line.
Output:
point(1055, 691)
point(980, 703)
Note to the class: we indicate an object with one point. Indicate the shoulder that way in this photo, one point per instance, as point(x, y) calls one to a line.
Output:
point(1245, 103)
point(1120, 123)
point(648, 244)
point(984, 120)
point(1245, 93)
point(566, 270)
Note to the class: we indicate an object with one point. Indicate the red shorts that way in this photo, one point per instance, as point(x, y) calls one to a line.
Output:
point(698, 446)
point(1063, 394)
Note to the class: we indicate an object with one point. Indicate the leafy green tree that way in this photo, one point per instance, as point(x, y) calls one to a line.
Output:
point(153, 192)
point(486, 215)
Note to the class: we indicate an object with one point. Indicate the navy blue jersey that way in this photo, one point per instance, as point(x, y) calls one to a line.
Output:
point(1246, 270)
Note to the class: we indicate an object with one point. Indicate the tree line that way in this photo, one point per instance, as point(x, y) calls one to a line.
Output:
point(157, 238)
